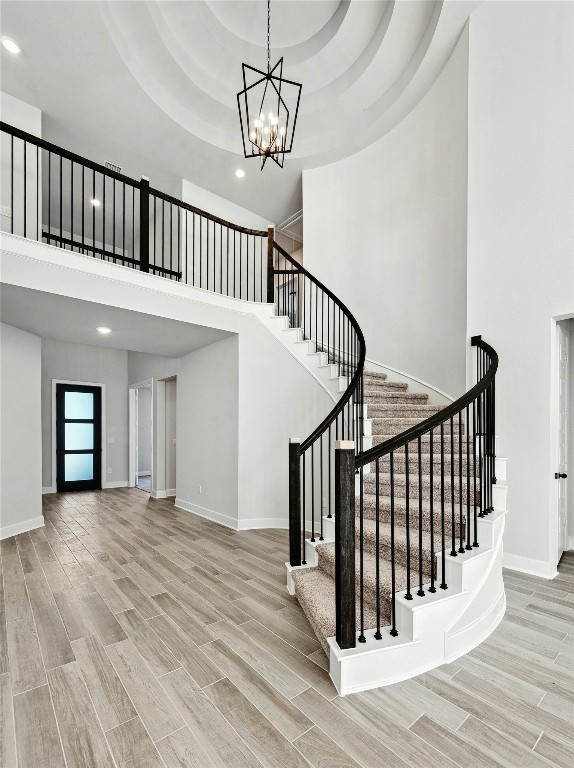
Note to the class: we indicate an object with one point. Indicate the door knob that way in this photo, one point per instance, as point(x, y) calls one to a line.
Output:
point(558, 475)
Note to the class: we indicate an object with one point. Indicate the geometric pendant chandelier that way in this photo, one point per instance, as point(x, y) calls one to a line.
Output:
point(267, 124)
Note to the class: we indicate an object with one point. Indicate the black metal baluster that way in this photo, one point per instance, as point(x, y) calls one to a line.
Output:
point(114, 217)
point(49, 196)
point(442, 520)
point(452, 511)
point(321, 537)
point(432, 587)
point(186, 246)
point(221, 259)
point(104, 220)
point(329, 450)
point(25, 181)
point(421, 592)
point(201, 251)
point(12, 187)
point(133, 220)
point(313, 492)
point(304, 457)
point(461, 514)
point(362, 638)
point(468, 487)
point(394, 631)
point(480, 460)
point(38, 213)
point(378, 635)
point(94, 214)
point(72, 203)
point(408, 595)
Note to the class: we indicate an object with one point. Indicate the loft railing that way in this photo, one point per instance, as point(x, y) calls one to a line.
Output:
point(58, 197)
point(329, 330)
point(460, 445)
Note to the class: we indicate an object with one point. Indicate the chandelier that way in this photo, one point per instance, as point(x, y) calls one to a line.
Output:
point(267, 127)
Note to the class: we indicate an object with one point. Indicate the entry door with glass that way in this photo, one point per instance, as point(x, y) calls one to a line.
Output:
point(78, 437)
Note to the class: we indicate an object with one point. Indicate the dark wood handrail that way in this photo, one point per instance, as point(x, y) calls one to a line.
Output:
point(330, 418)
point(399, 441)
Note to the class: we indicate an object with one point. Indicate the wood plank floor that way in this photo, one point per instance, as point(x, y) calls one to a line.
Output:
point(136, 635)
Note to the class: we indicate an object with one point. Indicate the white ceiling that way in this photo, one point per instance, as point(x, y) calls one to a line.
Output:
point(152, 86)
point(73, 320)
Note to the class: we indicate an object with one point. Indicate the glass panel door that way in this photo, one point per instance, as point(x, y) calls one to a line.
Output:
point(78, 437)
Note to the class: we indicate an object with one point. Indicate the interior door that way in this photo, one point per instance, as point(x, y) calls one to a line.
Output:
point(561, 475)
point(78, 437)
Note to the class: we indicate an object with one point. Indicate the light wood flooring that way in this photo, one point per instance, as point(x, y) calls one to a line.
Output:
point(136, 635)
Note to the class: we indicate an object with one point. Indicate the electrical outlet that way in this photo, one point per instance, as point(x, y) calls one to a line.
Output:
point(199, 488)
point(173, 440)
point(109, 470)
point(110, 440)
point(5, 210)
point(324, 503)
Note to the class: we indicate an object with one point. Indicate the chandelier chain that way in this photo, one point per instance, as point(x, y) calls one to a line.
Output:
point(268, 35)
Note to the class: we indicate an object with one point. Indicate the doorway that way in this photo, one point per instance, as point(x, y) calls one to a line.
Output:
point(141, 450)
point(78, 437)
point(565, 429)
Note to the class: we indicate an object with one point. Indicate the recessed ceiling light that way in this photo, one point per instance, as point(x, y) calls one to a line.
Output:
point(95, 202)
point(11, 45)
point(240, 173)
point(102, 329)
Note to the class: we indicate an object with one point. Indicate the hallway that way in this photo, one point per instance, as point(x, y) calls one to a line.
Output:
point(135, 634)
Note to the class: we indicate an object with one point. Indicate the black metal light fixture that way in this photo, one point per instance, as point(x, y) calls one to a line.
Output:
point(267, 127)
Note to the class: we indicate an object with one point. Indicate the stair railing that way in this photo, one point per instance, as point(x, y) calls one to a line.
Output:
point(329, 330)
point(459, 462)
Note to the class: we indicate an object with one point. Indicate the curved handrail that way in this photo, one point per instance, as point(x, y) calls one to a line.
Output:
point(378, 451)
point(355, 379)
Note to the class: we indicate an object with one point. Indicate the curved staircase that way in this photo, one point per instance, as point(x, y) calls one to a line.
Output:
point(425, 589)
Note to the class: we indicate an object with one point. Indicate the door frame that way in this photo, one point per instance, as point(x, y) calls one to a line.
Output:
point(133, 430)
point(554, 522)
point(54, 428)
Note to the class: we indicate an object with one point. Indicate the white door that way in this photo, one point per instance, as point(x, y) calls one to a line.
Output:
point(561, 473)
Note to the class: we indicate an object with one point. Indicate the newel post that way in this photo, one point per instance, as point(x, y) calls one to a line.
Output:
point(295, 501)
point(270, 270)
point(144, 224)
point(345, 543)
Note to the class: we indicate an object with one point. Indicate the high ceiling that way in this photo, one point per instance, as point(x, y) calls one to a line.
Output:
point(152, 86)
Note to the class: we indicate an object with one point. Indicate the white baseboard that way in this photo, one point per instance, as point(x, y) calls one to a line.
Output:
point(529, 565)
point(116, 484)
point(26, 525)
point(170, 492)
point(208, 514)
point(571, 542)
point(48, 490)
point(262, 522)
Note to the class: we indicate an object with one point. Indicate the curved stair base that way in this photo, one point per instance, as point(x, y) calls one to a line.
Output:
point(434, 629)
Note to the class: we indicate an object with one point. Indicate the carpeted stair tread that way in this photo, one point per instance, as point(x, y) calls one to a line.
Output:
point(400, 534)
point(316, 595)
point(401, 410)
point(369, 511)
point(438, 486)
point(389, 396)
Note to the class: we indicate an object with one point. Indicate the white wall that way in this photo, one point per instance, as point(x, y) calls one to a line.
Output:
point(20, 432)
point(521, 241)
point(144, 430)
point(385, 230)
point(99, 365)
point(221, 207)
point(28, 118)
